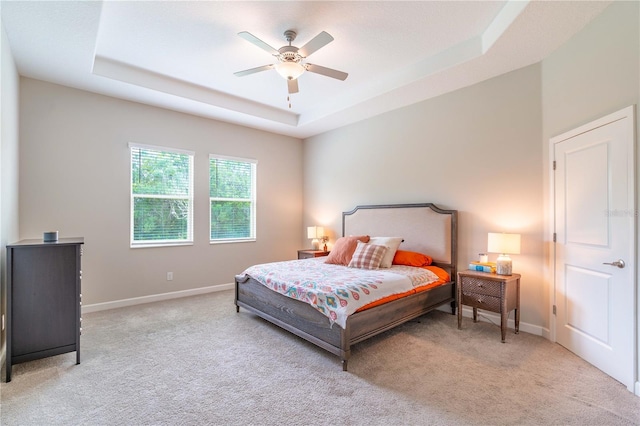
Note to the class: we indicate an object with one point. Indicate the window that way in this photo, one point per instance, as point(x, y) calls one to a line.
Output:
point(161, 196)
point(232, 192)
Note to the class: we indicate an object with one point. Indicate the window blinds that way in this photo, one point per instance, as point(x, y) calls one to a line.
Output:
point(161, 195)
point(232, 195)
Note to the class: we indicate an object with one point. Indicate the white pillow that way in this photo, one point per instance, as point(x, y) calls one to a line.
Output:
point(391, 243)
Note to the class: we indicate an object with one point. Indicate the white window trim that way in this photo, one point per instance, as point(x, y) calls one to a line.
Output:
point(161, 148)
point(254, 201)
point(190, 223)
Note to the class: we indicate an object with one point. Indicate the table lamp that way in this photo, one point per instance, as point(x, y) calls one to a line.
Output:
point(504, 244)
point(315, 233)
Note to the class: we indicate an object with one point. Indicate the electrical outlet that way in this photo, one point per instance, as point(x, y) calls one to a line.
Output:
point(169, 276)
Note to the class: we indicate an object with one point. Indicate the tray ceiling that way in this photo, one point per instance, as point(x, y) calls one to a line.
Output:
point(181, 55)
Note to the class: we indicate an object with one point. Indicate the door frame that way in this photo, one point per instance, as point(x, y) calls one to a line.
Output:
point(625, 113)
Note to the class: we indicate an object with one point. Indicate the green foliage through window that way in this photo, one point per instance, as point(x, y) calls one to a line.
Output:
point(161, 195)
point(232, 195)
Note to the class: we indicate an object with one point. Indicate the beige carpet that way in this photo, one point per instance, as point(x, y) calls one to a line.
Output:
point(195, 361)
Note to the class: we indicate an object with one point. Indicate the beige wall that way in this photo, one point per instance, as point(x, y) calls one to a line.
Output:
point(74, 178)
point(476, 150)
point(594, 73)
point(9, 89)
point(483, 150)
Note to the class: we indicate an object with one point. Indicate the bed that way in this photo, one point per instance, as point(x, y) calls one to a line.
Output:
point(424, 227)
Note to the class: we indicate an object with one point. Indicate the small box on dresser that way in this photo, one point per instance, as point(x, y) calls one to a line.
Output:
point(491, 292)
point(43, 299)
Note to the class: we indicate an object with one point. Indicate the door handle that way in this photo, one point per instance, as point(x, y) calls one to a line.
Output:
point(619, 263)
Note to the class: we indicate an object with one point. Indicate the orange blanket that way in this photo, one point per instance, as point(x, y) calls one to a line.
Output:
point(441, 273)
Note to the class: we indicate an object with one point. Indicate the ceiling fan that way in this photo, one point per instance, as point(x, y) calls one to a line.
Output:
point(290, 58)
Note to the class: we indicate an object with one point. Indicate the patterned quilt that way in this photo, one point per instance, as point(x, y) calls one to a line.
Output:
point(334, 290)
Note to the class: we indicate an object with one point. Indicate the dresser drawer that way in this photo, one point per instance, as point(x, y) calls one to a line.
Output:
point(482, 301)
point(480, 286)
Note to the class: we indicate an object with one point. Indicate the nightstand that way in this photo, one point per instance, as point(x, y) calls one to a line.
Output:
point(307, 254)
point(491, 292)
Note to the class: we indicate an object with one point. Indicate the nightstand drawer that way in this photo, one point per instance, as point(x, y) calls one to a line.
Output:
point(481, 286)
point(482, 301)
point(309, 254)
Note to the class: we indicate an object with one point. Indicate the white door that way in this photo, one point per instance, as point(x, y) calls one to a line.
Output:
point(595, 240)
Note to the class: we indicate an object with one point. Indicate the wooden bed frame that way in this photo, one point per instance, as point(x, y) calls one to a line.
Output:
point(424, 227)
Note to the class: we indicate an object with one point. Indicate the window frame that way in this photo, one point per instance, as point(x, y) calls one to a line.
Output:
point(190, 199)
point(252, 200)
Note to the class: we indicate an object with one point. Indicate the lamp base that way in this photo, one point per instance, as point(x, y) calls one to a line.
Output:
point(315, 243)
point(503, 265)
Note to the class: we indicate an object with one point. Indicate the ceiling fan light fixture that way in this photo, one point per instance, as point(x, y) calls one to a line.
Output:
point(290, 59)
point(290, 70)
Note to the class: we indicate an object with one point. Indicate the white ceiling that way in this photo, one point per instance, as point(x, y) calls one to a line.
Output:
point(182, 55)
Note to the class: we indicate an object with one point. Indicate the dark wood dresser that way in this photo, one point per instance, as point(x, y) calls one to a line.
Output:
point(43, 299)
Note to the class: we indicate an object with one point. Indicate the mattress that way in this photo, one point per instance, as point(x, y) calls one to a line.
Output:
point(338, 291)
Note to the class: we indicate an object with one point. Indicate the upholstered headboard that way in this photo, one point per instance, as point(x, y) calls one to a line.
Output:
point(425, 228)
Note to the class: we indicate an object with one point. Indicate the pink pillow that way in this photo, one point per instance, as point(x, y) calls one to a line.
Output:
point(367, 256)
point(343, 249)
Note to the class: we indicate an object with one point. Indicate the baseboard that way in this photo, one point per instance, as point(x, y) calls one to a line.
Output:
point(493, 318)
point(154, 298)
point(467, 312)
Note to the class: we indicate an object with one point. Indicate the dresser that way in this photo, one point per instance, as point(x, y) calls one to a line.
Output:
point(491, 292)
point(43, 300)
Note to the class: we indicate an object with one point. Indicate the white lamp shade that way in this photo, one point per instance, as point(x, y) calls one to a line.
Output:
point(311, 232)
point(290, 70)
point(503, 243)
point(314, 232)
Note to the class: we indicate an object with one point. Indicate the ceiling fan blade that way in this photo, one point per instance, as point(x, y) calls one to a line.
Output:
point(329, 72)
point(253, 70)
point(261, 44)
point(292, 85)
point(315, 43)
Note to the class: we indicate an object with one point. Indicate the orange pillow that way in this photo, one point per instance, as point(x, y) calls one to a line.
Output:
point(411, 258)
point(343, 249)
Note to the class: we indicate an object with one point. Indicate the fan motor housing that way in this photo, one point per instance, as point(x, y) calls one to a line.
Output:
point(289, 54)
